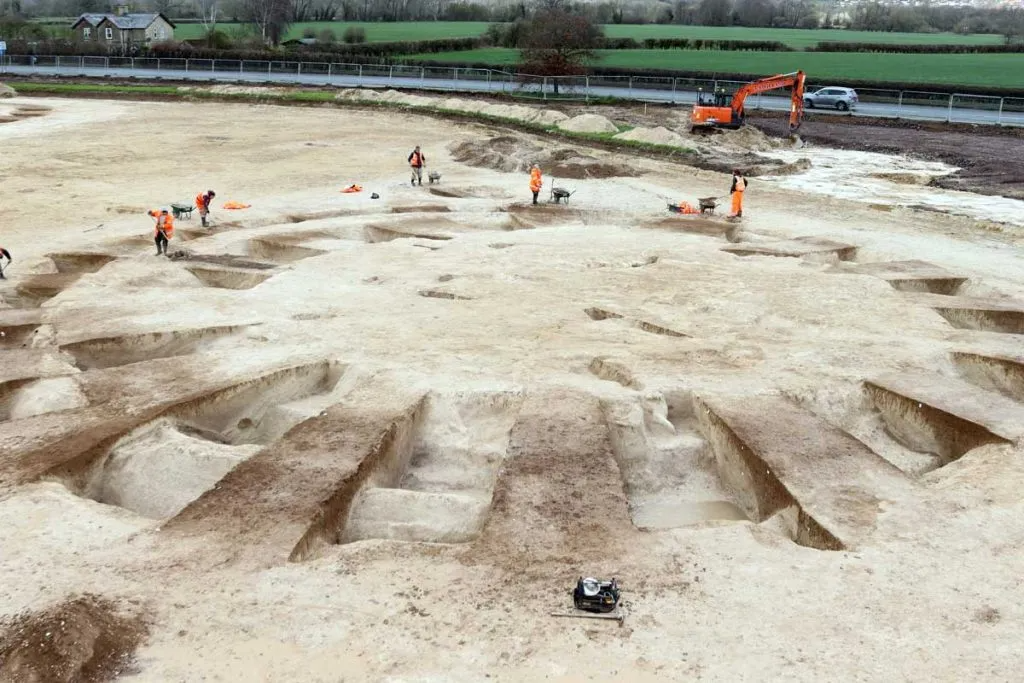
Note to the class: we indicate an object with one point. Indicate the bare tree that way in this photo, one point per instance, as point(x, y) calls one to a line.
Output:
point(209, 11)
point(556, 42)
point(271, 18)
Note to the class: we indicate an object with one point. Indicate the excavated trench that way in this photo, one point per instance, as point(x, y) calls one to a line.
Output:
point(925, 429)
point(107, 352)
point(946, 286)
point(375, 234)
point(17, 336)
point(35, 290)
point(157, 469)
point(995, 373)
point(437, 487)
point(442, 294)
point(80, 262)
point(30, 397)
point(229, 278)
point(755, 488)
point(668, 471)
point(600, 314)
point(279, 249)
point(988, 320)
point(423, 208)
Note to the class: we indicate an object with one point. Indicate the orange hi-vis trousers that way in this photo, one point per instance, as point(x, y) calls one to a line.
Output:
point(737, 202)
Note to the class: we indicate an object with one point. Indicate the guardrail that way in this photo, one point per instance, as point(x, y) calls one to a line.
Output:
point(954, 108)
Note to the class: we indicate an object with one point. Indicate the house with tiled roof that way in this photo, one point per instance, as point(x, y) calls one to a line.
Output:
point(121, 30)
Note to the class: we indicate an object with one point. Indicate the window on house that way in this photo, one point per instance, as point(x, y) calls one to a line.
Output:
point(110, 34)
point(86, 32)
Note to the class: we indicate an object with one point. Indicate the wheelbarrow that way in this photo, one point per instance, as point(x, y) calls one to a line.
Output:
point(560, 193)
point(182, 210)
point(708, 204)
point(433, 177)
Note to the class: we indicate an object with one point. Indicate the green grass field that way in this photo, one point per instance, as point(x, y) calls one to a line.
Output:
point(398, 31)
point(375, 32)
point(996, 70)
point(796, 38)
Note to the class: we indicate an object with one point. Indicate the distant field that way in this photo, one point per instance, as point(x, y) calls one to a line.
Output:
point(997, 70)
point(797, 38)
point(375, 32)
point(398, 31)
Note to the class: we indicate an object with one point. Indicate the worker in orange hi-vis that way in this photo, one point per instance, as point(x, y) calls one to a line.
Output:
point(536, 181)
point(739, 185)
point(203, 201)
point(163, 231)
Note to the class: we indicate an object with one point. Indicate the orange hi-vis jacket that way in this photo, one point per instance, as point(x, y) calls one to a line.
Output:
point(535, 180)
point(164, 222)
point(201, 203)
point(416, 160)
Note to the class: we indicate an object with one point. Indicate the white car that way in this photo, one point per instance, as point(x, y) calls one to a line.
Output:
point(843, 99)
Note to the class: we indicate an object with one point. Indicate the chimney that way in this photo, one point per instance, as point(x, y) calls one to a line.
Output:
point(121, 10)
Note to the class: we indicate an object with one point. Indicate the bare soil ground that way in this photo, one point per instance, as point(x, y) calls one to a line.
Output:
point(991, 160)
point(380, 439)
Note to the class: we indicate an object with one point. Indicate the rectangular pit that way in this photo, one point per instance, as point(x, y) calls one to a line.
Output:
point(976, 313)
point(911, 276)
point(229, 278)
point(944, 415)
point(781, 460)
point(108, 352)
point(291, 499)
point(1004, 374)
point(668, 470)
point(815, 249)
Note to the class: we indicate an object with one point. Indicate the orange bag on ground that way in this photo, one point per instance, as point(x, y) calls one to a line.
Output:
point(353, 188)
point(236, 205)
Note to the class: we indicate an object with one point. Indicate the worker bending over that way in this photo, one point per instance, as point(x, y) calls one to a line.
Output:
point(4, 254)
point(417, 161)
point(203, 202)
point(739, 185)
point(536, 181)
point(163, 231)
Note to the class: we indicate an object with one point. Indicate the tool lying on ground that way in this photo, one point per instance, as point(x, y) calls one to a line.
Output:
point(683, 207)
point(434, 177)
point(595, 599)
point(182, 210)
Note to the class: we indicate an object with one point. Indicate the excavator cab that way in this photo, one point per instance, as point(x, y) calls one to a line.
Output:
point(721, 111)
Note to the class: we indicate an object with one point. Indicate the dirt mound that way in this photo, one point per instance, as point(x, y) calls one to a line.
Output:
point(750, 139)
point(82, 640)
point(588, 123)
point(653, 136)
point(7, 91)
point(548, 117)
point(511, 155)
point(247, 90)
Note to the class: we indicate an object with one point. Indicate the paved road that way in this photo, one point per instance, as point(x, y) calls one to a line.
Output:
point(884, 110)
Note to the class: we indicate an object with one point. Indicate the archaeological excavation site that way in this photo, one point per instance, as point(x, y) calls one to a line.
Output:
point(380, 435)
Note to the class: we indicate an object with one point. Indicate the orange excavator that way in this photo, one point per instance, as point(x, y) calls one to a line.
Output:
point(718, 112)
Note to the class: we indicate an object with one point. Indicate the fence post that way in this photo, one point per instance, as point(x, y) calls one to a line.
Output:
point(423, 76)
point(241, 66)
point(58, 61)
point(488, 80)
point(186, 65)
point(330, 74)
point(899, 105)
point(158, 60)
point(949, 112)
point(544, 88)
point(999, 117)
point(630, 87)
point(391, 72)
point(455, 73)
point(131, 63)
point(586, 89)
point(268, 67)
point(300, 70)
point(674, 90)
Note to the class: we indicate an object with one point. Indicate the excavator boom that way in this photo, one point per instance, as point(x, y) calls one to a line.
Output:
point(733, 115)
